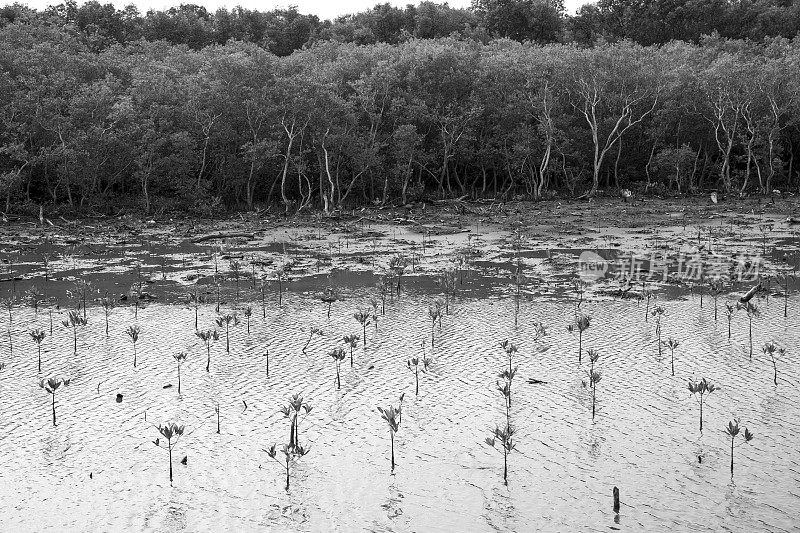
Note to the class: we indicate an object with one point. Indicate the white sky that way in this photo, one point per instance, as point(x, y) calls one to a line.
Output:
point(325, 9)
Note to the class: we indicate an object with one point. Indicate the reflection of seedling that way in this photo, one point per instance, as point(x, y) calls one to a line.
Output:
point(392, 417)
point(447, 281)
point(397, 265)
point(415, 362)
point(715, 288)
point(594, 378)
point(505, 437)
point(137, 290)
point(328, 296)
point(384, 288)
point(290, 455)
point(338, 355)
point(594, 356)
point(672, 344)
point(51, 385)
point(435, 313)
point(248, 312)
point(771, 349)
point(752, 312)
point(38, 336)
point(108, 305)
point(208, 337)
point(658, 313)
point(180, 358)
point(228, 320)
point(362, 316)
point(510, 348)
point(236, 269)
point(82, 288)
point(194, 301)
point(374, 303)
point(701, 388)
point(73, 321)
point(730, 310)
point(35, 297)
point(581, 324)
point(733, 430)
point(169, 431)
point(352, 342)
point(580, 288)
point(313, 331)
point(786, 277)
point(293, 411)
point(133, 333)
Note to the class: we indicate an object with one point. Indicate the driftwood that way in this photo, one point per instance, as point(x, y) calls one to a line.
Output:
point(223, 235)
point(752, 292)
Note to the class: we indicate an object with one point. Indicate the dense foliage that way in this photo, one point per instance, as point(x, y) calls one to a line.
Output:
point(97, 110)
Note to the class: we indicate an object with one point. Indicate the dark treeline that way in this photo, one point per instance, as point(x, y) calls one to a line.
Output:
point(191, 110)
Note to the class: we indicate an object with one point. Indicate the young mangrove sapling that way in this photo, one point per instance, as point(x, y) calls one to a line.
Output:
point(338, 355)
point(172, 432)
point(699, 389)
point(313, 331)
point(180, 358)
point(752, 312)
point(392, 417)
point(733, 430)
point(672, 344)
point(208, 337)
point(363, 316)
point(228, 320)
point(51, 385)
point(290, 455)
point(133, 333)
point(38, 336)
point(581, 324)
point(505, 437)
point(352, 342)
point(73, 321)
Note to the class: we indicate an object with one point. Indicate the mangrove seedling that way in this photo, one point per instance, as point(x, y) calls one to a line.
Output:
point(280, 275)
point(227, 320)
point(658, 313)
point(594, 378)
point(208, 337)
point(133, 333)
point(733, 430)
point(293, 411)
point(752, 312)
point(248, 312)
point(338, 355)
point(180, 358)
point(771, 349)
point(435, 313)
point(290, 455)
point(415, 362)
point(730, 310)
point(392, 417)
point(51, 385)
point(672, 344)
point(108, 305)
point(362, 316)
point(700, 389)
point(313, 331)
point(262, 288)
point(504, 389)
point(505, 437)
point(352, 342)
point(786, 277)
point(328, 296)
point(169, 431)
point(647, 295)
point(216, 411)
point(73, 321)
point(384, 287)
point(38, 336)
point(581, 324)
point(374, 303)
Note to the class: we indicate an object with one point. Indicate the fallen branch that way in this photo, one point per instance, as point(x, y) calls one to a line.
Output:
point(223, 235)
point(752, 292)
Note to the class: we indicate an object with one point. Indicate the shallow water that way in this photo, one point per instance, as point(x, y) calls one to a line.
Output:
point(645, 438)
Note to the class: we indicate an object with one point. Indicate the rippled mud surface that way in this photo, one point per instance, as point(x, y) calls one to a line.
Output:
point(98, 469)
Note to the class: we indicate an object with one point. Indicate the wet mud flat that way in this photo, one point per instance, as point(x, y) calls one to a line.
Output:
point(513, 268)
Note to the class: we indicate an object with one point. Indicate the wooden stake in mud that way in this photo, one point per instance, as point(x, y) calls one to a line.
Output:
point(616, 500)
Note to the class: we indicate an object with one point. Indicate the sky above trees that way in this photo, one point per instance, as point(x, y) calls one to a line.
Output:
point(324, 9)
